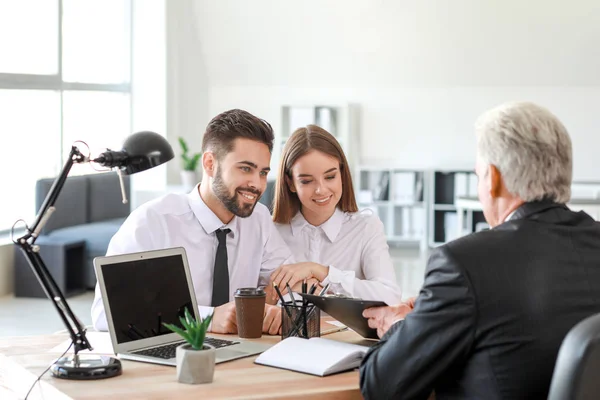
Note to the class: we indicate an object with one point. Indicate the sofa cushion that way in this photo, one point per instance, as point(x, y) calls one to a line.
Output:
point(97, 235)
point(105, 199)
point(71, 205)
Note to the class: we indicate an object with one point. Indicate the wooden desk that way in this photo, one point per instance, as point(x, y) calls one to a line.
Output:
point(22, 359)
point(466, 205)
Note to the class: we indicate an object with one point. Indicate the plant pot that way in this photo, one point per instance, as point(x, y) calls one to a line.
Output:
point(195, 366)
point(189, 179)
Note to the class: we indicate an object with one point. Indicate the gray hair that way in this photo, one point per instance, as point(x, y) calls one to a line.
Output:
point(530, 147)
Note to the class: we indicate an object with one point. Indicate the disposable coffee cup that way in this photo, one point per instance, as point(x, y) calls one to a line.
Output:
point(250, 310)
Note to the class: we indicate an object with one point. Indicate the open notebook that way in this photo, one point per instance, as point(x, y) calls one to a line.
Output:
point(314, 356)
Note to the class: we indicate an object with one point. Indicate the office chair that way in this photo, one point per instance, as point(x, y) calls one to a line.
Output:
point(576, 371)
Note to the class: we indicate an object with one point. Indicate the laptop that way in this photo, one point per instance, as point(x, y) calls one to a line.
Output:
point(140, 291)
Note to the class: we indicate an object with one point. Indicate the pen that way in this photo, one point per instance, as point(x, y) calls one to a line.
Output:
point(334, 330)
point(304, 304)
point(322, 292)
point(287, 285)
point(282, 300)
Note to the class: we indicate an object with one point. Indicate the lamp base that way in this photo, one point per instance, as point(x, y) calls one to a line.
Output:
point(86, 367)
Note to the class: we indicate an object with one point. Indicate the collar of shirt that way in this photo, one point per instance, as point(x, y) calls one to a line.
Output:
point(207, 218)
point(331, 227)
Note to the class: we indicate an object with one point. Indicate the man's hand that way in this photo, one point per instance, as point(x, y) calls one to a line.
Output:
point(296, 273)
point(410, 302)
point(272, 320)
point(224, 319)
point(382, 318)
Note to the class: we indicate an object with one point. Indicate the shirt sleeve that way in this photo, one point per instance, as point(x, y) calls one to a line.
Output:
point(275, 251)
point(377, 267)
point(135, 235)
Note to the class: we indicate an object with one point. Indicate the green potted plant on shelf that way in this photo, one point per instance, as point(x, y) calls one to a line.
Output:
point(195, 359)
point(190, 163)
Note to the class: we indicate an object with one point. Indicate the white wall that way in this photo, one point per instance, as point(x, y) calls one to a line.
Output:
point(187, 82)
point(148, 86)
point(422, 71)
point(430, 127)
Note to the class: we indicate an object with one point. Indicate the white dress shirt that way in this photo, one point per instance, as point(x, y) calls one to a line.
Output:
point(254, 247)
point(354, 247)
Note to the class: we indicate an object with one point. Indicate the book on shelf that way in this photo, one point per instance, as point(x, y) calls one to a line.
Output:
point(315, 356)
point(404, 187)
point(473, 182)
point(326, 119)
point(300, 117)
point(450, 226)
point(419, 220)
point(461, 185)
point(419, 186)
point(381, 192)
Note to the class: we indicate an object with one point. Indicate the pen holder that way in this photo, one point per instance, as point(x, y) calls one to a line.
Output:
point(305, 321)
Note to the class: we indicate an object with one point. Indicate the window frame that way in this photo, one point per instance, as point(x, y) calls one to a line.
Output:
point(55, 82)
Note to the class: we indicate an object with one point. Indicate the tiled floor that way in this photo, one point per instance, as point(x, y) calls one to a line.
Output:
point(26, 316)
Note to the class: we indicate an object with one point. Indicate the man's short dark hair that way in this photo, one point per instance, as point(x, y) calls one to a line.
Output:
point(223, 129)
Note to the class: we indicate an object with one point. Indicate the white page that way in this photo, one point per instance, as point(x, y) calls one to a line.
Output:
point(313, 356)
point(100, 341)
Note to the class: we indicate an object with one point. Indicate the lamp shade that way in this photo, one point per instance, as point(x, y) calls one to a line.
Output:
point(145, 150)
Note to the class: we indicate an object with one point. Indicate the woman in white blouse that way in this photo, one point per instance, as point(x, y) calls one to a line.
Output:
point(316, 214)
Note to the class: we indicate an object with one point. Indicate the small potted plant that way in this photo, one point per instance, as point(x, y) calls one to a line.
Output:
point(195, 360)
point(190, 163)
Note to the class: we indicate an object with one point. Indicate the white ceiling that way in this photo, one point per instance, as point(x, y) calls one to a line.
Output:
point(418, 43)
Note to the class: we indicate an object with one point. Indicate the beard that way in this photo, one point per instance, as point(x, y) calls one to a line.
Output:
point(231, 202)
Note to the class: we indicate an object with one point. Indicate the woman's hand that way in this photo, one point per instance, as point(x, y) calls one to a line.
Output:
point(296, 273)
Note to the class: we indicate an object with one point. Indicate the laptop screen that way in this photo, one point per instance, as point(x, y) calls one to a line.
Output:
point(142, 294)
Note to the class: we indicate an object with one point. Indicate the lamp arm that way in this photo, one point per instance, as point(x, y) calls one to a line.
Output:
point(75, 157)
point(31, 253)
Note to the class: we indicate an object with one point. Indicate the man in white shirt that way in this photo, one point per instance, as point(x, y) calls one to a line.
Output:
point(228, 236)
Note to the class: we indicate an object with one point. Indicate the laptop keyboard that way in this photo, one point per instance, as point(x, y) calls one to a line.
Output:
point(169, 350)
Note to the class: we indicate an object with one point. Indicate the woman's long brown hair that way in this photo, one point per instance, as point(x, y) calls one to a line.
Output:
point(286, 203)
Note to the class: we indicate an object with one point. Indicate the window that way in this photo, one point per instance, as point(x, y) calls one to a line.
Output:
point(64, 76)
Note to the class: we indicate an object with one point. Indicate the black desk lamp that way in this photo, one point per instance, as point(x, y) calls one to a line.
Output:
point(141, 151)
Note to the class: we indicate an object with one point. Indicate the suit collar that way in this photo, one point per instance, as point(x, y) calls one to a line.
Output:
point(527, 210)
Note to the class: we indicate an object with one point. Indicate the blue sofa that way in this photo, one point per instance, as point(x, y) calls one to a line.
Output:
point(90, 209)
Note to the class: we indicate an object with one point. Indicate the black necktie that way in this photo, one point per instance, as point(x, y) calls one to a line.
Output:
point(220, 294)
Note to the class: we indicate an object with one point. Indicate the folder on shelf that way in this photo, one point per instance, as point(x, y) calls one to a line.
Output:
point(407, 222)
point(450, 226)
point(365, 196)
point(461, 185)
point(419, 186)
point(418, 222)
point(404, 187)
point(472, 192)
point(326, 119)
point(300, 117)
point(381, 192)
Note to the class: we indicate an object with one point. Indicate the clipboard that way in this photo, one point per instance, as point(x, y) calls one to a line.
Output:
point(348, 311)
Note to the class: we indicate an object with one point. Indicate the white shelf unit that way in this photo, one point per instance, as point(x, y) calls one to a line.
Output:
point(398, 196)
point(339, 120)
point(446, 186)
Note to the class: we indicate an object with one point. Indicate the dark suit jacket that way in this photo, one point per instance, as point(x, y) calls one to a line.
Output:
point(493, 311)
